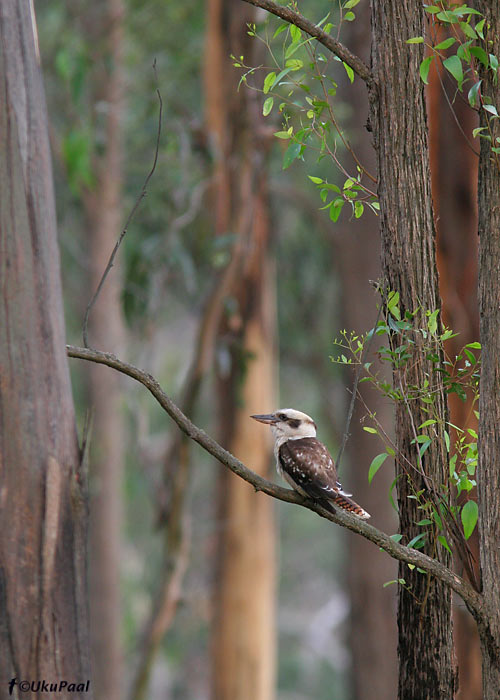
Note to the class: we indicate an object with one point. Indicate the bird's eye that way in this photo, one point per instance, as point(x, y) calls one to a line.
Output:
point(282, 416)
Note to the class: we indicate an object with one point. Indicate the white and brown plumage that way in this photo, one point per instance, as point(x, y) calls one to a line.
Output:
point(305, 462)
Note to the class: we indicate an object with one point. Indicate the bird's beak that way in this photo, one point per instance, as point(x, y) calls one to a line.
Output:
point(265, 418)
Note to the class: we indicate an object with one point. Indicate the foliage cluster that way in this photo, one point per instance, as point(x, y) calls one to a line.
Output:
point(410, 336)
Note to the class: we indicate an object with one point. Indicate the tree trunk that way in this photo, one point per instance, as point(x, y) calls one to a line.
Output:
point(244, 624)
point(43, 619)
point(454, 195)
point(106, 331)
point(374, 662)
point(488, 471)
point(425, 644)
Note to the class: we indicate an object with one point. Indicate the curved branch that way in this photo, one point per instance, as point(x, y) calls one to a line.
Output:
point(358, 66)
point(471, 598)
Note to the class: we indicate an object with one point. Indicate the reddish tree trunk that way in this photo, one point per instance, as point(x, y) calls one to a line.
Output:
point(244, 625)
point(454, 194)
point(373, 630)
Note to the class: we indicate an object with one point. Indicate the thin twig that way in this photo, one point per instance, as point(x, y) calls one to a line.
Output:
point(128, 221)
point(358, 66)
point(472, 599)
point(366, 350)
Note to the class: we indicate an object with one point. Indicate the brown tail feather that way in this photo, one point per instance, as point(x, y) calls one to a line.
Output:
point(348, 504)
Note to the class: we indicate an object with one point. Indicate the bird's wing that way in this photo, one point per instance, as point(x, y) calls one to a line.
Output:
point(308, 463)
point(308, 466)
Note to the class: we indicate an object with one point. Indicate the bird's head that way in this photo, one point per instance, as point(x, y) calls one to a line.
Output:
point(288, 424)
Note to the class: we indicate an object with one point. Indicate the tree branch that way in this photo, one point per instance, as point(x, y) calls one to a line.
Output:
point(358, 66)
point(118, 243)
point(471, 598)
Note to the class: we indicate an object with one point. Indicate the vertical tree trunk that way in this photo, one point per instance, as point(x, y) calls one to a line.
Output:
point(43, 618)
point(244, 625)
point(425, 645)
point(454, 195)
point(104, 215)
point(488, 471)
point(373, 630)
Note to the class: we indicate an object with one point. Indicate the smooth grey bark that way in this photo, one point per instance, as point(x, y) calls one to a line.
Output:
point(43, 604)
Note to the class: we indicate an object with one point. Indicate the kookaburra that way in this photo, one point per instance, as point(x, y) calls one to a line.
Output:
point(305, 462)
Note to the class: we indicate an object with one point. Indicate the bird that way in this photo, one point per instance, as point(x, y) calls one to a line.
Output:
point(304, 462)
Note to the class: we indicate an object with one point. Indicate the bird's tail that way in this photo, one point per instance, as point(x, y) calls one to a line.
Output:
point(342, 501)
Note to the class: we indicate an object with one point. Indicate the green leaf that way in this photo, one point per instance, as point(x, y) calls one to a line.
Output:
point(446, 43)
point(267, 106)
point(432, 9)
point(349, 16)
point(424, 68)
point(478, 130)
point(468, 30)
point(493, 62)
point(392, 305)
point(373, 431)
point(473, 94)
point(281, 75)
point(291, 153)
point(283, 135)
point(432, 321)
point(454, 66)
point(445, 544)
point(480, 54)
point(280, 29)
point(491, 109)
point(469, 516)
point(415, 40)
point(292, 64)
point(349, 71)
point(474, 346)
point(418, 539)
point(295, 33)
point(397, 537)
point(336, 208)
point(479, 28)
point(316, 180)
point(448, 17)
point(293, 48)
point(358, 209)
point(268, 82)
point(389, 583)
point(350, 3)
point(375, 465)
point(431, 421)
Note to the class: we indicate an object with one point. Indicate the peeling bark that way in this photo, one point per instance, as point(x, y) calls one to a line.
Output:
point(43, 604)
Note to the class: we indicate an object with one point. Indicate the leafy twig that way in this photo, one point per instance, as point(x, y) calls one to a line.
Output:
point(358, 66)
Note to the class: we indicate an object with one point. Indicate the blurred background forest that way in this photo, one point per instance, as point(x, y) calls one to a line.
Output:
point(230, 287)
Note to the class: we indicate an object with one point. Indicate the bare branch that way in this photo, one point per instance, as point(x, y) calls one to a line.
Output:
point(471, 598)
point(358, 66)
point(139, 199)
